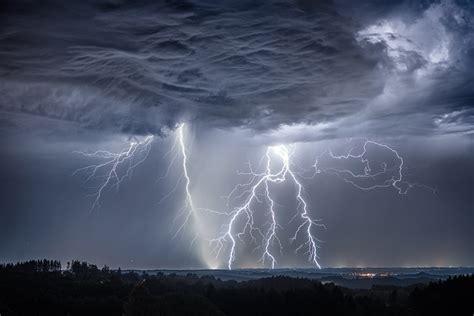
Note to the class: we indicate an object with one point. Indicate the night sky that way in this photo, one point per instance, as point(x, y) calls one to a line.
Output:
point(83, 76)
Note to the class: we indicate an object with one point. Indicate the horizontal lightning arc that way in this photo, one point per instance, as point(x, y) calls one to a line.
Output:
point(392, 178)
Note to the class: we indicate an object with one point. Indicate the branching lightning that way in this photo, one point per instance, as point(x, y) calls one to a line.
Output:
point(262, 181)
point(116, 168)
point(240, 220)
point(371, 178)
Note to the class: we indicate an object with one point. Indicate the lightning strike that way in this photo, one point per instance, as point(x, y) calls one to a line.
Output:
point(116, 166)
point(240, 220)
point(262, 181)
point(371, 177)
point(189, 209)
point(179, 149)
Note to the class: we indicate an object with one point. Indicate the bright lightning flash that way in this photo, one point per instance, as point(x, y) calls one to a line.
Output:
point(262, 181)
point(116, 166)
point(240, 220)
point(188, 210)
point(189, 207)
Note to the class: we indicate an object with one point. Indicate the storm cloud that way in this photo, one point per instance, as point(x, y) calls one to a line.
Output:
point(143, 68)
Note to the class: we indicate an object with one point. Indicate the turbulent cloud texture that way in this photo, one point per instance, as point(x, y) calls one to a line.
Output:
point(143, 67)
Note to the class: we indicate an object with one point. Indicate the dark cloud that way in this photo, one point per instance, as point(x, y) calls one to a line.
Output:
point(141, 67)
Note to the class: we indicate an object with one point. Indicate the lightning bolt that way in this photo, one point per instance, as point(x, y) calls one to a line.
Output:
point(179, 149)
point(240, 220)
point(116, 166)
point(189, 209)
point(262, 181)
point(371, 178)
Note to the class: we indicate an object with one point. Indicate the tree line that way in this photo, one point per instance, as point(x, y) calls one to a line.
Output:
point(45, 287)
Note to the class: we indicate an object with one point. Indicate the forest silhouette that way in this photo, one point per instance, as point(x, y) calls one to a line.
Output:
point(42, 287)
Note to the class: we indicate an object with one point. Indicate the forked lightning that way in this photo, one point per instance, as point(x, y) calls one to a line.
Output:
point(116, 166)
point(241, 219)
point(262, 181)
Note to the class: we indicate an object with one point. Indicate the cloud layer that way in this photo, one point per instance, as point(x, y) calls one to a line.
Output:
point(142, 68)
